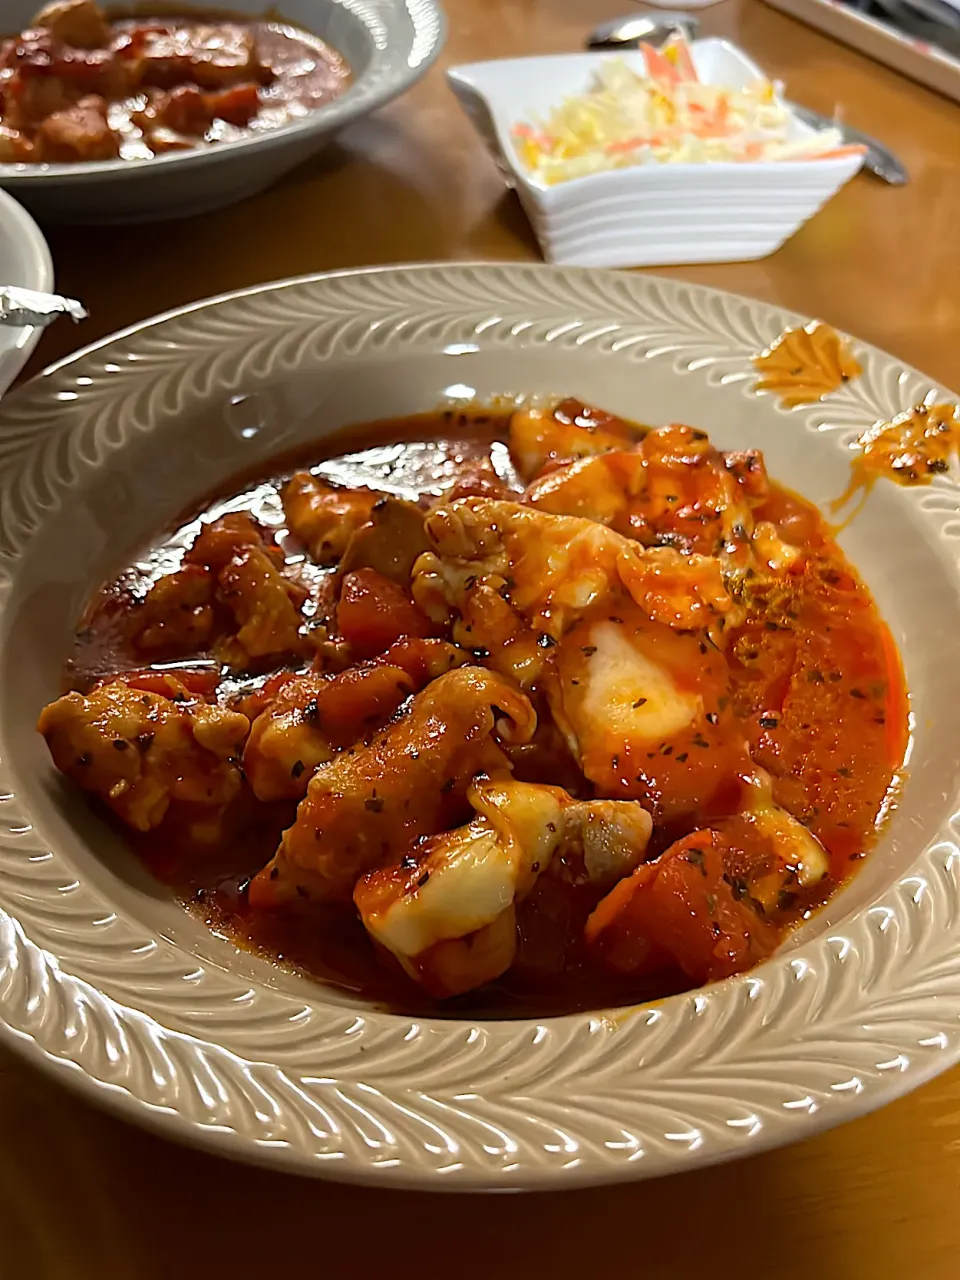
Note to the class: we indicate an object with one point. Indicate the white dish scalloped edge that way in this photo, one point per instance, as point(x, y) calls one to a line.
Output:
point(860, 1007)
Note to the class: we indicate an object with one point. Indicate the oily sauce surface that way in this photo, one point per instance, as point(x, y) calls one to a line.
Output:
point(815, 680)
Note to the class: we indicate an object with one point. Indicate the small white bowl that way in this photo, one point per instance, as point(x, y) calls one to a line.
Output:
point(389, 44)
point(25, 261)
point(657, 215)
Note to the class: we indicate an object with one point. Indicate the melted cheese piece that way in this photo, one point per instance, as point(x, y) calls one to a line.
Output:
point(626, 696)
point(548, 566)
point(474, 884)
point(467, 877)
point(465, 882)
point(778, 555)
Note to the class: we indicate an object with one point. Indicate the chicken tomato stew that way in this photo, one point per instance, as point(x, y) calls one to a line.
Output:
point(530, 710)
point(79, 85)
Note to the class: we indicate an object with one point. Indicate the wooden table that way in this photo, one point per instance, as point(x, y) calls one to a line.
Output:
point(82, 1195)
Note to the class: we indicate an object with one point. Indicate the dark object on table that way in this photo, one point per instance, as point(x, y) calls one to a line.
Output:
point(931, 20)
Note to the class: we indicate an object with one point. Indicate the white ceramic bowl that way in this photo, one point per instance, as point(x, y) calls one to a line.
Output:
point(108, 984)
point(389, 45)
point(25, 261)
point(657, 214)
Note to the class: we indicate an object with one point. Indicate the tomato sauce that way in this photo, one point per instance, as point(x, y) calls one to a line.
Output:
point(815, 681)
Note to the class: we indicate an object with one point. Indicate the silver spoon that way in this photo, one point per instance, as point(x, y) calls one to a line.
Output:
point(625, 33)
point(20, 307)
point(629, 31)
point(877, 159)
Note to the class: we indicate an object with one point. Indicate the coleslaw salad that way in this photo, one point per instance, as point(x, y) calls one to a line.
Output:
point(668, 116)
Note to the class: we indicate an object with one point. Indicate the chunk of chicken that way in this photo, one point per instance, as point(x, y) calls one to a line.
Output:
point(690, 498)
point(369, 805)
point(675, 489)
point(45, 76)
point(36, 96)
point(265, 605)
point(621, 638)
point(509, 578)
point(79, 132)
point(140, 751)
point(750, 471)
point(390, 542)
point(212, 56)
point(603, 487)
point(429, 909)
point(609, 836)
point(539, 437)
point(176, 616)
point(311, 718)
point(324, 517)
point(230, 564)
point(514, 580)
point(446, 912)
point(219, 541)
point(553, 568)
point(684, 592)
point(79, 23)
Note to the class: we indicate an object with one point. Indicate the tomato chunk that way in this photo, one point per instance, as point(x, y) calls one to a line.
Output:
point(373, 612)
point(200, 682)
point(680, 909)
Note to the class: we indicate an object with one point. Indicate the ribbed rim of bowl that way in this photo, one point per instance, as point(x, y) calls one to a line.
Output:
point(400, 58)
point(828, 1029)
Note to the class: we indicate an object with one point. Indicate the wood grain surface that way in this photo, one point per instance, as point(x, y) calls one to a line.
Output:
point(84, 1196)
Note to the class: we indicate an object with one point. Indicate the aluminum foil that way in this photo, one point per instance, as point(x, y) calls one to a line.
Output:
point(27, 307)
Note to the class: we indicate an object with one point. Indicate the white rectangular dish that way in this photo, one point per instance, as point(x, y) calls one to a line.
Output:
point(654, 215)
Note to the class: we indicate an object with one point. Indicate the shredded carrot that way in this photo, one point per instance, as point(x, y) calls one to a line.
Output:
point(627, 144)
point(851, 149)
point(659, 66)
point(678, 52)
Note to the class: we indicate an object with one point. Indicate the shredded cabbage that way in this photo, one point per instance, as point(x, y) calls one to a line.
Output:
point(667, 116)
